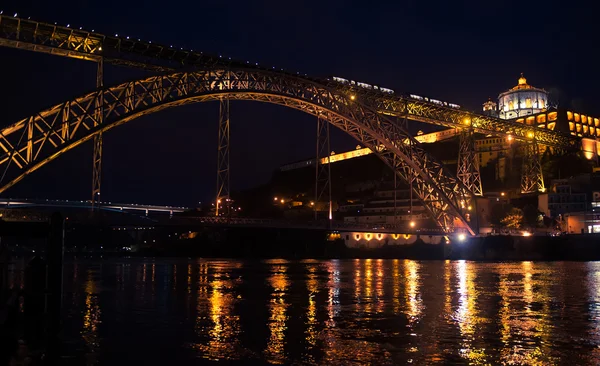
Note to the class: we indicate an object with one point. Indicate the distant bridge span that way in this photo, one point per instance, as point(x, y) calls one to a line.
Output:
point(131, 207)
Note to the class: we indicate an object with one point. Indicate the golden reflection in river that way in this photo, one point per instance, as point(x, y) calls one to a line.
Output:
point(467, 314)
point(312, 285)
point(447, 288)
point(593, 282)
point(396, 284)
point(380, 275)
point(224, 325)
point(357, 286)
point(524, 316)
point(278, 280)
point(412, 293)
point(91, 319)
point(333, 299)
point(368, 286)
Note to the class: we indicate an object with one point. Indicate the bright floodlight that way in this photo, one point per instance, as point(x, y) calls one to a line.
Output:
point(462, 237)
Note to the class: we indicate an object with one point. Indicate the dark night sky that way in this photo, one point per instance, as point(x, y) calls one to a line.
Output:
point(461, 52)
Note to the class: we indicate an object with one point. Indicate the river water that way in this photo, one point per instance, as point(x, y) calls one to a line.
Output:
point(133, 311)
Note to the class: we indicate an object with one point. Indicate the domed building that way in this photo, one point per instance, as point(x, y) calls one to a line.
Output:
point(521, 100)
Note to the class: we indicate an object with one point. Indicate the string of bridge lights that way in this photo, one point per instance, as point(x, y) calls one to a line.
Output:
point(150, 42)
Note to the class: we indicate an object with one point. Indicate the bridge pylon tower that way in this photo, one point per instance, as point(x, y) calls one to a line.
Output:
point(323, 171)
point(532, 177)
point(223, 157)
point(468, 163)
point(97, 157)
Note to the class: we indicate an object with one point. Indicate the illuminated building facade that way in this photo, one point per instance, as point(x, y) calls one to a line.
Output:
point(379, 209)
point(519, 101)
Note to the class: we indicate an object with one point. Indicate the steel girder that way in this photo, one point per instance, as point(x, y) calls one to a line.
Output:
point(323, 171)
point(223, 157)
point(468, 163)
point(532, 178)
point(34, 141)
point(97, 156)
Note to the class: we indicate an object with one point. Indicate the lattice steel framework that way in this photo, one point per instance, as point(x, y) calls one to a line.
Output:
point(223, 157)
point(468, 163)
point(532, 178)
point(323, 171)
point(97, 156)
point(64, 41)
point(34, 141)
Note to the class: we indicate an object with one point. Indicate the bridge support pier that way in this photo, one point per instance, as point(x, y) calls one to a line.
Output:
point(97, 158)
point(323, 171)
point(223, 158)
point(532, 177)
point(468, 163)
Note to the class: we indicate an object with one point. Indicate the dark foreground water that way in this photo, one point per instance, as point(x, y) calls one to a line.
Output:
point(175, 312)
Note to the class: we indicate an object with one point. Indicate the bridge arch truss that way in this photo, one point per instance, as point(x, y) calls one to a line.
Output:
point(34, 141)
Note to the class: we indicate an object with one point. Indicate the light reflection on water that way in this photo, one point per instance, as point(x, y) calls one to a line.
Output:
point(333, 312)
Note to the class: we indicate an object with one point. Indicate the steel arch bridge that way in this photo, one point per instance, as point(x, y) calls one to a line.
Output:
point(35, 141)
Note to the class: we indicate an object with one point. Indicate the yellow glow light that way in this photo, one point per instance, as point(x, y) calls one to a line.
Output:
point(275, 199)
point(412, 224)
point(526, 233)
point(352, 97)
point(530, 135)
point(510, 138)
point(312, 203)
point(282, 201)
point(462, 237)
point(467, 120)
point(219, 201)
point(469, 208)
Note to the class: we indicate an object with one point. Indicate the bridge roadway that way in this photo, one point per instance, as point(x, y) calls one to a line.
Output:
point(14, 203)
point(122, 50)
point(334, 226)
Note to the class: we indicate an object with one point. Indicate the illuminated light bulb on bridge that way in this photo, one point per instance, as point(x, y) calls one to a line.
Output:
point(530, 135)
point(462, 237)
point(312, 203)
point(412, 224)
point(352, 97)
point(282, 201)
point(15, 15)
point(466, 121)
point(469, 208)
point(68, 25)
point(275, 199)
point(502, 194)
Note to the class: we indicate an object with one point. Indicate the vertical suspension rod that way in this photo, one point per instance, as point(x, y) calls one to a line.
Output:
point(223, 156)
point(323, 171)
point(97, 157)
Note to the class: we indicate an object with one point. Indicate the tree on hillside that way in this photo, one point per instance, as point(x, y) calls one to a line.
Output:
point(514, 219)
point(498, 212)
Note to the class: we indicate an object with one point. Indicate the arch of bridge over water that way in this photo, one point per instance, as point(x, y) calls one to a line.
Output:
point(32, 142)
point(39, 139)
